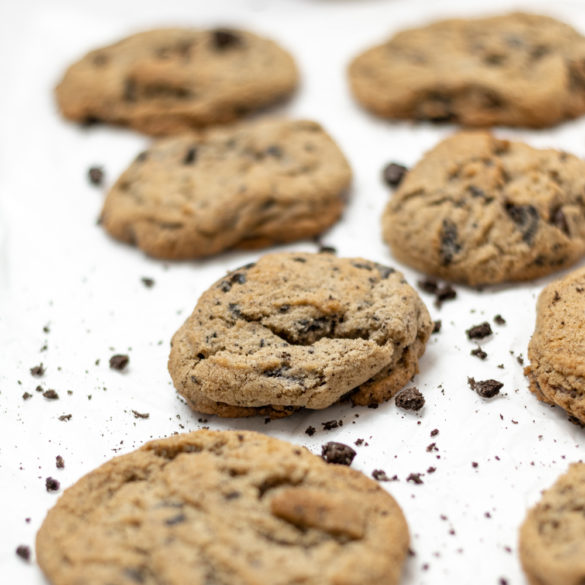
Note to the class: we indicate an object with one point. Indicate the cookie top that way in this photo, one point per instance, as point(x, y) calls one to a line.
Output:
point(223, 507)
point(300, 330)
point(557, 348)
point(245, 186)
point(552, 537)
point(516, 70)
point(480, 210)
point(167, 81)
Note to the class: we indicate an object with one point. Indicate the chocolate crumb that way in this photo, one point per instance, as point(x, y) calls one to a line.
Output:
point(333, 452)
point(26, 396)
point(331, 424)
point(434, 432)
point(147, 282)
point(445, 293)
point(37, 370)
point(65, 417)
point(437, 326)
point(96, 176)
point(478, 352)
point(415, 478)
point(140, 414)
point(499, 320)
point(520, 359)
point(119, 361)
point(479, 331)
point(59, 462)
point(432, 447)
point(381, 475)
point(310, 431)
point(359, 442)
point(429, 285)
point(474, 464)
point(393, 173)
point(485, 388)
point(23, 552)
point(431, 470)
point(51, 394)
point(52, 484)
point(410, 399)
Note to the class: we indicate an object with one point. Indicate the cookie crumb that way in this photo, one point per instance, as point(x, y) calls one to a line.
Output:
point(485, 388)
point(52, 485)
point(479, 331)
point(96, 175)
point(23, 552)
point(340, 453)
point(410, 399)
point(393, 173)
point(119, 361)
point(478, 352)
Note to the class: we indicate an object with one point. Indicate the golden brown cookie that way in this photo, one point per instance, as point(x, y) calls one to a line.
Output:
point(167, 81)
point(514, 69)
point(557, 347)
point(299, 330)
point(247, 186)
point(552, 537)
point(480, 210)
point(219, 508)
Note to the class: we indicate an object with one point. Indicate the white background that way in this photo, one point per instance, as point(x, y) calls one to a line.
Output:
point(59, 269)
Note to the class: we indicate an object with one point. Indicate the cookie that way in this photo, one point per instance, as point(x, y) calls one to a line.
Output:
point(299, 330)
point(552, 537)
point(514, 70)
point(168, 81)
point(247, 186)
point(557, 348)
point(218, 508)
point(480, 210)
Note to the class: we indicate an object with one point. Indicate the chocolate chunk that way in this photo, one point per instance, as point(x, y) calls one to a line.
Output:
point(37, 370)
point(119, 361)
point(445, 293)
point(479, 331)
point(449, 246)
point(274, 151)
point(331, 424)
point(147, 282)
point(225, 39)
point(558, 219)
point(51, 394)
point(437, 326)
point(339, 453)
point(415, 478)
point(96, 176)
point(23, 552)
point(410, 399)
point(478, 352)
point(393, 174)
point(310, 431)
point(59, 462)
point(190, 156)
point(485, 388)
point(499, 320)
point(526, 219)
point(52, 484)
point(429, 285)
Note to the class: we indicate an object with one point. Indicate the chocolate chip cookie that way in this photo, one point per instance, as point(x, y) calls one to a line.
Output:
point(247, 186)
point(167, 81)
point(552, 537)
point(557, 347)
point(223, 508)
point(299, 330)
point(515, 70)
point(480, 210)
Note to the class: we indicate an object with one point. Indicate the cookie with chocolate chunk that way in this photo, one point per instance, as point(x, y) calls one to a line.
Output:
point(299, 330)
point(557, 348)
point(167, 81)
point(247, 186)
point(480, 210)
point(223, 507)
point(514, 70)
point(551, 543)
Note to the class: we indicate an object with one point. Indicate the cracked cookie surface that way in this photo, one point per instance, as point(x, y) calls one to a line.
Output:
point(480, 210)
point(515, 70)
point(299, 330)
point(557, 348)
point(246, 186)
point(220, 508)
point(167, 81)
point(552, 537)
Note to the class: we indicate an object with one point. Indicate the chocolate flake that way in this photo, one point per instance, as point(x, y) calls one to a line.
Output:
point(449, 246)
point(140, 414)
point(410, 399)
point(96, 176)
point(393, 174)
point(119, 361)
point(479, 331)
point(485, 388)
point(339, 453)
point(526, 219)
